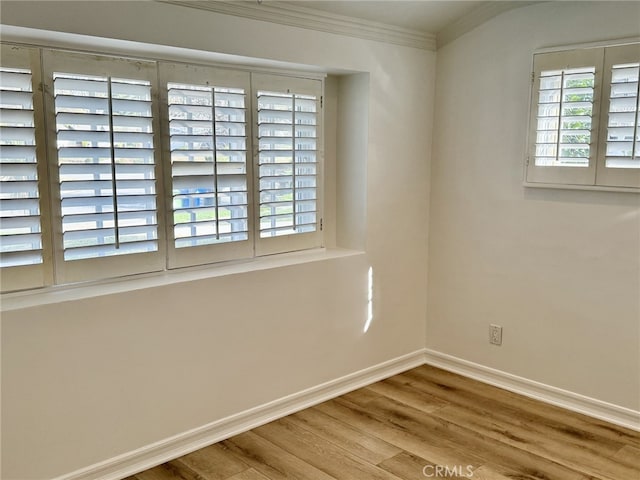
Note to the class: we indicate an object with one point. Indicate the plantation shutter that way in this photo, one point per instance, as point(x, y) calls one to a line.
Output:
point(619, 154)
point(24, 238)
point(563, 124)
point(103, 150)
point(289, 144)
point(206, 138)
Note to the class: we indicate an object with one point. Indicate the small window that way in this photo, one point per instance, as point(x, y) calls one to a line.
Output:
point(584, 118)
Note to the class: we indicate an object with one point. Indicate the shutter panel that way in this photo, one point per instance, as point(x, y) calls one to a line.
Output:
point(105, 154)
point(21, 230)
point(206, 118)
point(288, 163)
point(565, 109)
point(563, 124)
point(619, 159)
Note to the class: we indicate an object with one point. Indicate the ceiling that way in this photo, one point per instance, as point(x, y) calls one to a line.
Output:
point(426, 16)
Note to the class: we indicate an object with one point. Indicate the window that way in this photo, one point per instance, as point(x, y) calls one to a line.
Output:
point(584, 127)
point(146, 165)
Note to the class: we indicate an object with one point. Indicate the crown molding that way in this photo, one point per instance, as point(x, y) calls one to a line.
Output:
point(309, 18)
point(476, 17)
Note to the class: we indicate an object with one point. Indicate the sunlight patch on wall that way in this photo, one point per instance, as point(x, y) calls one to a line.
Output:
point(369, 299)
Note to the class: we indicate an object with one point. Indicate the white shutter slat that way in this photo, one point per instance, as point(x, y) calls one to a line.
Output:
point(20, 258)
point(14, 117)
point(18, 207)
point(17, 153)
point(20, 100)
point(19, 171)
point(207, 130)
point(15, 223)
point(15, 80)
point(108, 250)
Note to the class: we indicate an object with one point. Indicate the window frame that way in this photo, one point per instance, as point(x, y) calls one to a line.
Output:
point(596, 176)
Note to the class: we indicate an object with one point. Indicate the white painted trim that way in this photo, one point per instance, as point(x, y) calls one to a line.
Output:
point(312, 19)
point(539, 391)
point(66, 293)
point(597, 44)
point(151, 455)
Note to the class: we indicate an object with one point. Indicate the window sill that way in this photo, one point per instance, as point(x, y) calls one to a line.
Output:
point(594, 188)
point(65, 293)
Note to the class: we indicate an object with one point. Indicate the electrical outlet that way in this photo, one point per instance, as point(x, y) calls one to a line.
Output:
point(495, 334)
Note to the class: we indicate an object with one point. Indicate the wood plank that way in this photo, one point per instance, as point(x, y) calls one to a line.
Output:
point(451, 387)
point(271, 460)
point(157, 473)
point(486, 473)
point(320, 453)
point(629, 455)
point(428, 426)
point(432, 449)
point(408, 466)
point(250, 474)
point(409, 396)
point(589, 461)
point(214, 462)
point(510, 411)
point(359, 443)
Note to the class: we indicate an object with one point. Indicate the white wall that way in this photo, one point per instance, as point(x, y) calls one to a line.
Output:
point(559, 270)
point(85, 380)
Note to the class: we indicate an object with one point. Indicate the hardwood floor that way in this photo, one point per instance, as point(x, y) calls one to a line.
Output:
point(424, 423)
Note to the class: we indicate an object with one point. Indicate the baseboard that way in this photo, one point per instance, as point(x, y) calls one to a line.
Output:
point(151, 455)
point(592, 407)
